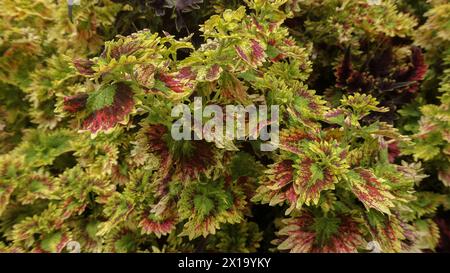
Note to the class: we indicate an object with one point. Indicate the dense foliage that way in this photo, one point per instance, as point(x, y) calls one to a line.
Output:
point(86, 152)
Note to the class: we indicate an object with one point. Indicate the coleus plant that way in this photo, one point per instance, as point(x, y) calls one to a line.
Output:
point(149, 8)
point(430, 125)
point(109, 175)
point(366, 46)
point(393, 82)
point(37, 42)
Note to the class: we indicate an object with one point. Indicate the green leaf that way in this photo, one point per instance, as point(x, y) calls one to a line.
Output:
point(52, 242)
point(325, 228)
point(102, 98)
point(203, 205)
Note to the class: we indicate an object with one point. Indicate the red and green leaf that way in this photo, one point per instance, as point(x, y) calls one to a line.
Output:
point(251, 52)
point(311, 180)
point(326, 234)
point(372, 191)
point(109, 106)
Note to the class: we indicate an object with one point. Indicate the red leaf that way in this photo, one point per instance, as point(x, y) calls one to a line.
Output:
point(300, 236)
point(75, 103)
point(416, 72)
point(109, 116)
point(307, 185)
point(370, 190)
point(84, 66)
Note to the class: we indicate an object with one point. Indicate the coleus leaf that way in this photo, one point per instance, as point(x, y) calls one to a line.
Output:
point(361, 105)
point(206, 206)
point(54, 242)
point(11, 168)
point(252, 52)
point(37, 185)
point(246, 238)
point(349, 78)
point(154, 208)
point(291, 139)
point(428, 234)
point(307, 233)
point(123, 47)
point(84, 66)
point(145, 75)
point(416, 72)
point(393, 151)
point(311, 180)
point(158, 225)
point(75, 103)
point(384, 74)
point(180, 82)
point(101, 98)
point(400, 181)
point(273, 184)
point(389, 231)
point(185, 160)
point(372, 191)
point(181, 6)
point(80, 187)
point(41, 148)
point(109, 106)
point(85, 236)
point(118, 209)
point(318, 169)
point(184, 153)
point(232, 89)
point(229, 21)
point(336, 116)
point(380, 65)
point(427, 203)
point(301, 180)
point(6, 189)
point(245, 165)
point(122, 240)
point(306, 105)
point(213, 73)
